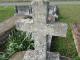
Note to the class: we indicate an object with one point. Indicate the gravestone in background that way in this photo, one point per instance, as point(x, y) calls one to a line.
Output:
point(23, 10)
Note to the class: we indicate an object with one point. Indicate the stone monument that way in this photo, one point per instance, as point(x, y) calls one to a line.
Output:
point(41, 32)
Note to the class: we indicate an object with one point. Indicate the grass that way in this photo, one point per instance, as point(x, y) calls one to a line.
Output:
point(64, 0)
point(15, 0)
point(31, 0)
point(6, 12)
point(69, 14)
point(16, 42)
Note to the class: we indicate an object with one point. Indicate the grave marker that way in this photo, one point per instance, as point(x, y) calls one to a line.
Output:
point(40, 30)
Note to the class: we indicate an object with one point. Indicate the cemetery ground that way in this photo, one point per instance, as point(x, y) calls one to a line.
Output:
point(68, 14)
point(6, 12)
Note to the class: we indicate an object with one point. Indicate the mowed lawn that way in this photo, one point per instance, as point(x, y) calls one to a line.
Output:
point(6, 12)
point(15, 0)
point(69, 14)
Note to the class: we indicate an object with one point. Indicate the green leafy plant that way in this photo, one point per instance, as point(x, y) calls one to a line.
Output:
point(17, 41)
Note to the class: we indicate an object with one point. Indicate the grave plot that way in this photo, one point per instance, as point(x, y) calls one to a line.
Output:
point(16, 41)
point(63, 47)
point(68, 15)
point(5, 30)
point(59, 45)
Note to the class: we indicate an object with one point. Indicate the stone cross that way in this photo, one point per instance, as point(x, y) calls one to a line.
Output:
point(40, 30)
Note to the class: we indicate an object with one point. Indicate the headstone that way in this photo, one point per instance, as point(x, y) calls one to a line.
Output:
point(23, 10)
point(40, 29)
point(52, 14)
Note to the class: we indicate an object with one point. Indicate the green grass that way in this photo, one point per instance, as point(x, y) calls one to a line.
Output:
point(69, 14)
point(15, 0)
point(16, 42)
point(31, 0)
point(64, 0)
point(6, 12)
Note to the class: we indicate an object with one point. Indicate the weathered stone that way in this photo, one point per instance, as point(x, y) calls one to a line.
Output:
point(65, 58)
point(18, 56)
point(53, 56)
point(40, 30)
point(48, 38)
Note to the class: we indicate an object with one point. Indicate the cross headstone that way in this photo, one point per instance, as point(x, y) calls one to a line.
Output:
point(40, 30)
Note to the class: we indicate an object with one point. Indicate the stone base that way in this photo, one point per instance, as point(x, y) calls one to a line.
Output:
point(30, 55)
